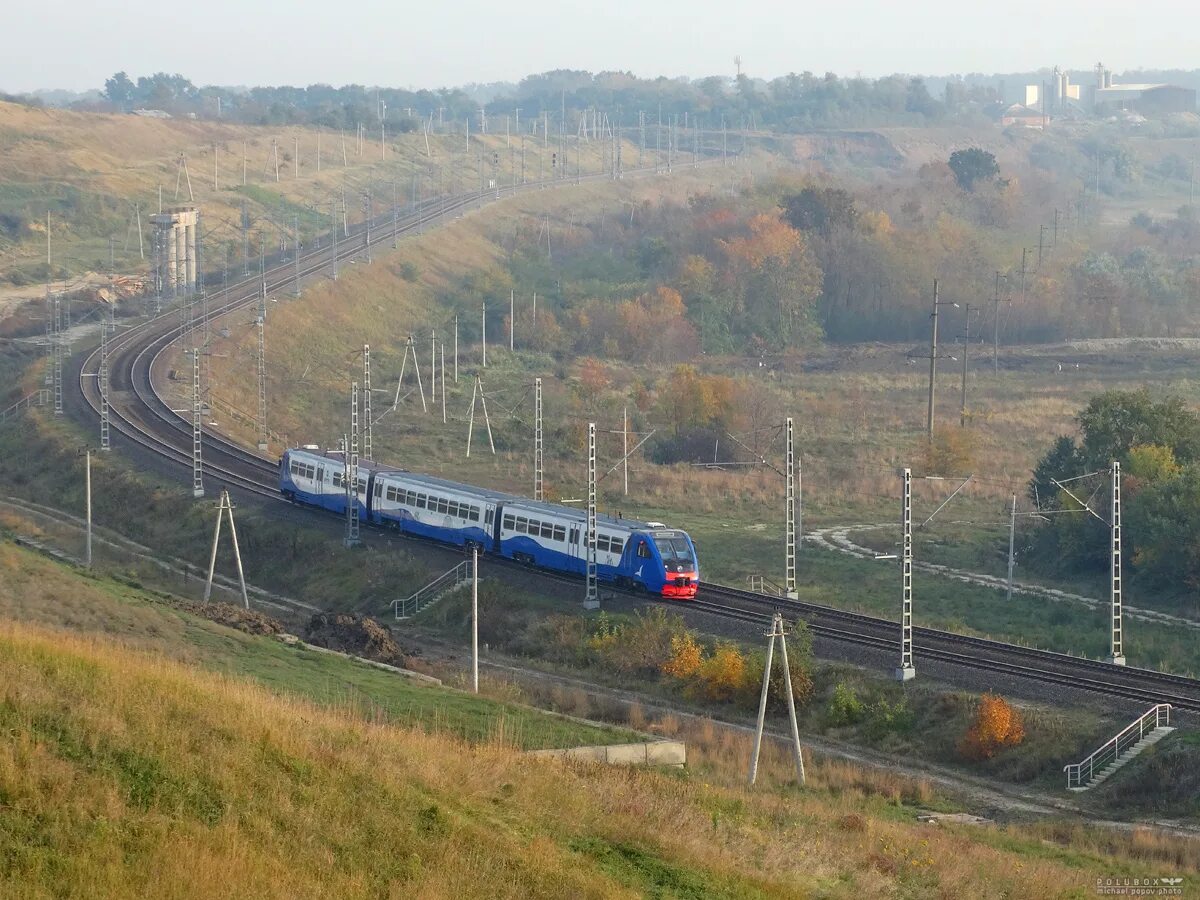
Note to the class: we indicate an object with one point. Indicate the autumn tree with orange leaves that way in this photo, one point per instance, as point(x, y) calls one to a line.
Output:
point(997, 724)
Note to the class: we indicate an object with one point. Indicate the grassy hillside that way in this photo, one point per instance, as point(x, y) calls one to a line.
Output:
point(89, 170)
point(37, 591)
point(124, 774)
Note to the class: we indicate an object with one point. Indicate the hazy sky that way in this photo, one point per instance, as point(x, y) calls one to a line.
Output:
point(76, 44)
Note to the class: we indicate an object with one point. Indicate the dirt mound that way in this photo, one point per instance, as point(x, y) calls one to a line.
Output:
point(357, 635)
point(235, 617)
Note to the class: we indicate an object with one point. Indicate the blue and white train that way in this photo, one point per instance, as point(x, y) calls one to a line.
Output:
point(628, 553)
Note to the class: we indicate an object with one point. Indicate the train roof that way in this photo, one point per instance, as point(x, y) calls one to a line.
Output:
point(434, 482)
point(571, 512)
point(339, 456)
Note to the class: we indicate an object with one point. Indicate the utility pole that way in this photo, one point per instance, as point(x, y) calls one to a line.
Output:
point(197, 428)
point(296, 254)
point(262, 377)
point(367, 212)
point(790, 502)
point(996, 301)
point(512, 320)
point(1041, 245)
point(962, 410)
point(223, 508)
point(474, 618)
point(477, 392)
point(368, 427)
point(87, 486)
point(932, 360)
point(333, 235)
point(105, 443)
point(777, 633)
point(456, 348)
point(1117, 656)
point(906, 671)
point(483, 332)
point(537, 439)
point(625, 446)
point(433, 366)
point(351, 472)
point(591, 599)
point(57, 350)
point(1012, 537)
point(443, 355)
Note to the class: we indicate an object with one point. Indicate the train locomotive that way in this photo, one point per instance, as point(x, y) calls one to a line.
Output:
point(629, 553)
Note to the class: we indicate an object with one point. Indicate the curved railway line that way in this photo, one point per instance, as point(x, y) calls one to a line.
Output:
point(140, 415)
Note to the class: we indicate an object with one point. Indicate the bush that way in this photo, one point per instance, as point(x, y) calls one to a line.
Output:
point(997, 724)
point(887, 718)
point(644, 644)
point(844, 706)
point(686, 657)
point(721, 677)
point(802, 684)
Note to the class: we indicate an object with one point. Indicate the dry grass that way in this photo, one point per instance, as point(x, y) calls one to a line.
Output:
point(125, 775)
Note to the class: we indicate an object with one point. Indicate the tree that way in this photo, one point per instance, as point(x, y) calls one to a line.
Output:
point(119, 90)
point(1116, 421)
point(820, 209)
point(1060, 461)
point(973, 165)
point(997, 724)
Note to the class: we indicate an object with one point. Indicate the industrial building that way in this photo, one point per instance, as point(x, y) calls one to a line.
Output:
point(1105, 96)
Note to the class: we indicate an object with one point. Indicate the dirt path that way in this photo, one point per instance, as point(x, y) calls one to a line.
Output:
point(837, 537)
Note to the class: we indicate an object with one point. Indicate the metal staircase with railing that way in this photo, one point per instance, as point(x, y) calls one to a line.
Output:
point(761, 584)
point(407, 607)
point(1149, 729)
point(40, 397)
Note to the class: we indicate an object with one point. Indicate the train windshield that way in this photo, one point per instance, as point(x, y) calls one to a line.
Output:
point(676, 554)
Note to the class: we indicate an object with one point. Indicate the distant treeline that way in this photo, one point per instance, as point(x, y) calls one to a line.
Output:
point(790, 103)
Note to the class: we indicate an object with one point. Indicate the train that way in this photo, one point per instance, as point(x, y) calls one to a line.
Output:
point(629, 554)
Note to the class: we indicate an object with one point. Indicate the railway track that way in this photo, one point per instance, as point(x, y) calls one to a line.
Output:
point(140, 415)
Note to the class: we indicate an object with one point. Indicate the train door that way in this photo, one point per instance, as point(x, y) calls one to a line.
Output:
point(576, 548)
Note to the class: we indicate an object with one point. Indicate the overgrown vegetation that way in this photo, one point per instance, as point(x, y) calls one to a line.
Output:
point(1157, 444)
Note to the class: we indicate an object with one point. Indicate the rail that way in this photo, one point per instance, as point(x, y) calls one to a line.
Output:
point(408, 607)
point(1081, 773)
point(40, 397)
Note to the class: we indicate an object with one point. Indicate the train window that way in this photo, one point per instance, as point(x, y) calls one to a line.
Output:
point(560, 533)
point(617, 545)
point(643, 550)
point(420, 501)
point(321, 474)
point(378, 489)
point(489, 517)
point(522, 525)
point(602, 543)
point(451, 508)
point(442, 505)
point(509, 523)
point(547, 530)
point(574, 535)
point(474, 514)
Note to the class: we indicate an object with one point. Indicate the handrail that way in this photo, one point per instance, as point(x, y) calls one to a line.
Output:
point(759, 584)
point(245, 418)
point(1112, 749)
point(40, 397)
point(407, 607)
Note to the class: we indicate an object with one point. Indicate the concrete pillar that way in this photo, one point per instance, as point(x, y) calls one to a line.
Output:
point(191, 252)
point(173, 249)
